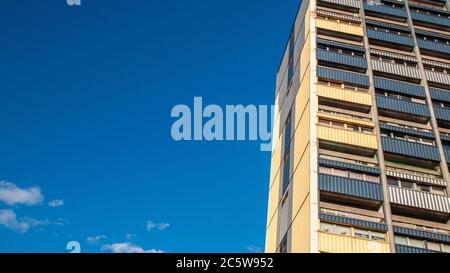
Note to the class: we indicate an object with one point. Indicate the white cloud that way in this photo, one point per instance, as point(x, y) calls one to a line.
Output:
point(56, 203)
point(95, 239)
point(10, 194)
point(9, 220)
point(254, 249)
point(160, 226)
point(128, 248)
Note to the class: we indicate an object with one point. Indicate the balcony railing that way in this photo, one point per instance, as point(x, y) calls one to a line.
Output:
point(388, 39)
point(342, 76)
point(414, 90)
point(347, 137)
point(438, 77)
point(351, 4)
point(394, 70)
point(410, 149)
point(428, 19)
point(342, 60)
point(417, 178)
point(333, 243)
point(412, 250)
point(440, 94)
point(341, 27)
point(442, 113)
point(396, 105)
point(432, 46)
point(391, 12)
point(344, 95)
point(421, 200)
point(350, 187)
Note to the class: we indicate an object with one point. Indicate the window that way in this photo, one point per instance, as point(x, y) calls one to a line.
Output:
point(425, 188)
point(438, 191)
point(372, 178)
point(328, 228)
point(358, 176)
point(416, 243)
point(401, 240)
point(407, 185)
point(392, 182)
point(341, 173)
point(446, 248)
point(377, 236)
point(325, 170)
point(433, 246)
point(360, 233)
point(342, 230)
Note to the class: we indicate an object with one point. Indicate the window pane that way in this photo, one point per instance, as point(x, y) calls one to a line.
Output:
point(446, 248)
point(401, 240)
point(360, 233)
point(407, 185)
point(424, 188)
point(439, 191)
point(392, 182)
point(325, 227)
point(325, 170)
point(358, 176)
point(372, 178)
point(377, 236)
point(416, 243)
point(343, 230)
point(339, 172)
point(433, 246)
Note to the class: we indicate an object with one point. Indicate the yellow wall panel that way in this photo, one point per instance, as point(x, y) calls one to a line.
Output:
point(347, 137)
point(339, 27)
point(275, 163)
point(305, 57)
point(332, 243)
point(301, 229)
point(344, 94)
point(301, 179)
point(274, 199)
point(302, 97)
point(301, 137)
point(271, 235)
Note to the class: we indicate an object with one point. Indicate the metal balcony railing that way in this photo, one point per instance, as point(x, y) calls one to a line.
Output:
point(386, 10)
point(421, 200)
point(414, 90)
point(396, 69)
point(402, 106)
point(341, 59)
point(410, 149)
point(351, 187)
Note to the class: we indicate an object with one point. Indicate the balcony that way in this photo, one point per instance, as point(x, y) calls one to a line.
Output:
point(341, 29)
point(333, 243)
point(432, 236)
point(353, 99)
point(408, 150)
point(347, 140)
point(349, 5)
point(350, 191)
point(349, 166)
point(396, 71)
point(413, 90)
point(342, 76)
point(339, 60)
point(433, 48)
point(442, 114)
point(386, 12)
point(406, 110)
point(440, 94)
point(388, 39)
point(437, 78)
point(331, 218)
point(415, 177)
point(428, 20)
point(423, 204)
point(412, 250)
point(407, 131)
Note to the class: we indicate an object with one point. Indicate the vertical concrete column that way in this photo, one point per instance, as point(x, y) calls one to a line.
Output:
point(380, 154)
point(434, 124)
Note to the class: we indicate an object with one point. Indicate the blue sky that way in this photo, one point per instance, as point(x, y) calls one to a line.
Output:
point(86, 94)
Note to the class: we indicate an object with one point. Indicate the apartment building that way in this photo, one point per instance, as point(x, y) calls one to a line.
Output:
point(361, 144)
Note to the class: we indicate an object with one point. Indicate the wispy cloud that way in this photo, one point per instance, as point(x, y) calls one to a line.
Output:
point(130, 236)
point(56, 203)
point(11, 194)
point(95, 239)
point(128, 248)
point(9, 220)
point(254, 249)
point(158, 226)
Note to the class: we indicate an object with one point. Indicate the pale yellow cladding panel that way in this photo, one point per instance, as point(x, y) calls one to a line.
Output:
point(344, 95)
point(305, 57)
point(347, 120)
point(344, 27)
point(275, 163)
point(347, 137)
point(271, 235)
point(301, 229)
point(332, 243)
point(274, 197)
point(301, 137)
